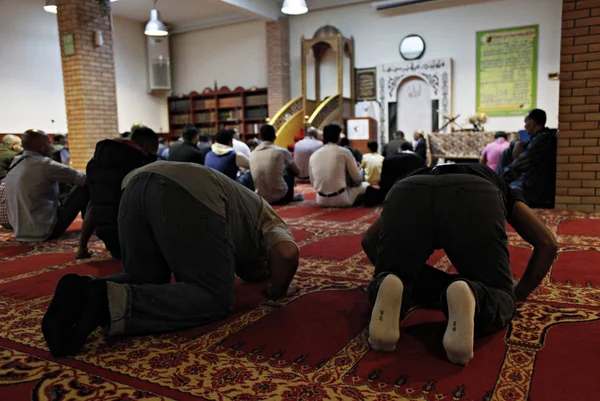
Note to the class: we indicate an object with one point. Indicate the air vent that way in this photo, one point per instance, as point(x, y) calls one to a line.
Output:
point(387, 4)
point(159, 64)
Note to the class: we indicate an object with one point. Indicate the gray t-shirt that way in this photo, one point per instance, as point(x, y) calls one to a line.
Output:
point(267, 164)
point(254, 226)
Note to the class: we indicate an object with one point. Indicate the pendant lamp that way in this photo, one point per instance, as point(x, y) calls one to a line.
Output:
point(50, 6)
point(294, 7)
point(155, 27)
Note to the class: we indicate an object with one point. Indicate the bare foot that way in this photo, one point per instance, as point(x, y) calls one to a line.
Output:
point(83, 254)
point(458, 339)
point(384, 329)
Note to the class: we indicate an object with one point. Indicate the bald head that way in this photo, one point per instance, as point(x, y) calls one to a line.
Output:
point(37, 141)
point(12, 142)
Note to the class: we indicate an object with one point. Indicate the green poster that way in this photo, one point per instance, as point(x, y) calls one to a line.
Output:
point(507, 71)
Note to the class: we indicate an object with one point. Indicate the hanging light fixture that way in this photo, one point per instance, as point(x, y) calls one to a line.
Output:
point(155, 27)
point(294, 7)
point(50, 6)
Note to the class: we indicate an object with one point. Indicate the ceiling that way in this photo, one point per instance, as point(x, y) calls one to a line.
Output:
point(182, 15)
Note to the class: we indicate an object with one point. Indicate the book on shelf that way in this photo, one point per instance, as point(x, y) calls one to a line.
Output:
point(256, 100)
point(179, 105)
point(205, 116)
point(257, 113)
point(205, 104)
point(252, 128)
point(230, 115)
point(230, 102)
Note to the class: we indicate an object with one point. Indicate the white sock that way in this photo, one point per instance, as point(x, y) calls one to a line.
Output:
point(384, 329)
point(458, 339)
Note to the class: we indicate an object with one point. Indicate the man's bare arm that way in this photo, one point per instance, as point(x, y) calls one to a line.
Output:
point(294, 167)
point(370, 239)
point(534, 231)
point(283, 261)
point(87, 229)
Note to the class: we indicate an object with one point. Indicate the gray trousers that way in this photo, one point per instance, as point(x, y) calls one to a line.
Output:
point(165, 231)
point(462, 214)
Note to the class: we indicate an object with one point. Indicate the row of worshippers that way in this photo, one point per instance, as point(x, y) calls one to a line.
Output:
point(462, 209)
point(238, 233)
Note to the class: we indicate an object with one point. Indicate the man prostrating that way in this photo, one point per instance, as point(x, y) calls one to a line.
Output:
point(179, 219)
point(463, 210)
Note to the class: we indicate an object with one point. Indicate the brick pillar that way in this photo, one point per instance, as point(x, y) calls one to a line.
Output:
point(278, 63)
point(578, 169)
point(89, 77)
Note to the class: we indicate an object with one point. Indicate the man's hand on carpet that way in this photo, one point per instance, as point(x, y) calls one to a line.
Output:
point(273, 292)
point(83, 254)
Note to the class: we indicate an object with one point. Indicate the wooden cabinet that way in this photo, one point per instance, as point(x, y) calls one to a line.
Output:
point(213, 110)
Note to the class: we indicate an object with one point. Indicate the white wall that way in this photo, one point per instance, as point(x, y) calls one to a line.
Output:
point(448, 32)
point(233, 55)
point(31, 82)
point(134, 104)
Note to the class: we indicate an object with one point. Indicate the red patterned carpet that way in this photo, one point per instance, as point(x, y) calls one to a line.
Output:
point(312, 346)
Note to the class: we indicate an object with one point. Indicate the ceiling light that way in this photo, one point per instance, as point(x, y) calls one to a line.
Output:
point(155, 27)
point(50, 6)
point(294, 7)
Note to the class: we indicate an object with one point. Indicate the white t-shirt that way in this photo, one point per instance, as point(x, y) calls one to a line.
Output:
point(333, 168)
point(241, 148)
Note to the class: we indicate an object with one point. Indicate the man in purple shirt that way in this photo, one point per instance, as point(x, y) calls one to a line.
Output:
point(303, 150)
point(492, 152)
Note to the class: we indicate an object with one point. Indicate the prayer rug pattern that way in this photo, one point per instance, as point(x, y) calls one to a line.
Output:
point(312, 346)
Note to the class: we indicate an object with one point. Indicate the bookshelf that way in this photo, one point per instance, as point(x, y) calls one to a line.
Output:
point(213, 110)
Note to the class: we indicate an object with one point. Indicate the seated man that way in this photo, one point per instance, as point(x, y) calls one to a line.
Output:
point(239, 146)
point(393, 146)
point(204, 144)
point(32, 194)
point(533, 170)
point(345, 143)
point(224, 158)
point(462, 209)
point(273, 169)
point(112, 161)
point(60, 152)
point(334, 173)
point(303, 150)
point(187, 151)
point(395, 167)
point(372, 163)
point(162, 146)
point(9, 149)
point(493, 151)
point(184, 220)
point(420, 145)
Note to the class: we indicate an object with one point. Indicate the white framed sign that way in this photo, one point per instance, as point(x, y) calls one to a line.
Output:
point(358, 130)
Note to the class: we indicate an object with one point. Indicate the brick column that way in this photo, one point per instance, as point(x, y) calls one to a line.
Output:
point(89, 77)
point(278, 63)
point(578, 169)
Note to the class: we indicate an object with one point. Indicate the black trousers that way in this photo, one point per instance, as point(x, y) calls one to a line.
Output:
point(70, 206)
point(465, 216)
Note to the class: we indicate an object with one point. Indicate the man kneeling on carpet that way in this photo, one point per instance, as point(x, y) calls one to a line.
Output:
point(218, 229)
point(113, 160)
point(463, 210)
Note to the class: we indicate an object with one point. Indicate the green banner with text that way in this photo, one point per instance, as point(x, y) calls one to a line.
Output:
point(507, 71)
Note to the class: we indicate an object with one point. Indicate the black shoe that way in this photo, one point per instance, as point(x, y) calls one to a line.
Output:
point(79, 306)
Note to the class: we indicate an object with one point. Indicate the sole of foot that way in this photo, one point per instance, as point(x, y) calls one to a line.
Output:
point(63, 313)
point(384, 328)
point(459, 335)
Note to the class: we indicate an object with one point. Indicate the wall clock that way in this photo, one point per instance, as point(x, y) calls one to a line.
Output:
point(412, 47)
